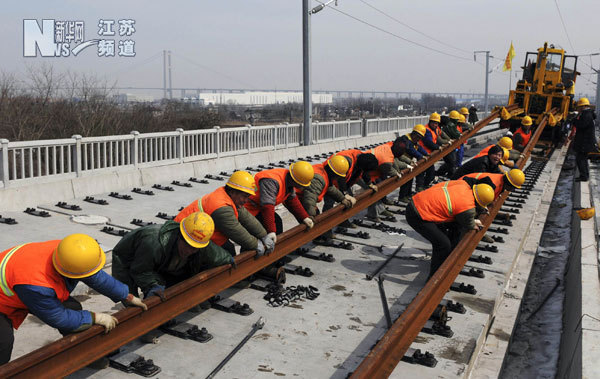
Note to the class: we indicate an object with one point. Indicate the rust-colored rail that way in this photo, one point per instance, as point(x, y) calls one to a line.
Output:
point(386, 354)
point(75, 351)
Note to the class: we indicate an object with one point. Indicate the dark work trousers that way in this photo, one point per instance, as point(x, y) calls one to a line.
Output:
point(230, 247)
point(447, 169)
point(7, 336)
point(582, 165)
point(441, 245)
point(405, 190)
point(460, 154)
point(278, 222)
point(424, 179)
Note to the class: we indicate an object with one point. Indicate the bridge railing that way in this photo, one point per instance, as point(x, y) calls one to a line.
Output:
point(25, 161)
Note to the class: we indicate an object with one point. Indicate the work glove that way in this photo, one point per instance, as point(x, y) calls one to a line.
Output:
point(309, 222)
point(410, 167)
point(107, 321)
point(134, 301)
point(272, 236)
point(346, 203)
point(269, 242)
point(260, 248)
point(399, 175)
point(521, 156)
point(478, 224)
point(351, 198)
point(373, 187)
point(415, 160)
point(157, 290)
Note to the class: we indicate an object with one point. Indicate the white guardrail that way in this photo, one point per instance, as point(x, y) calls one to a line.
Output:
point(22, 162)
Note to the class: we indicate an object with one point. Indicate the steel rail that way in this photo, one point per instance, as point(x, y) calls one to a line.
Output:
point(390, 349)
point(75, 351)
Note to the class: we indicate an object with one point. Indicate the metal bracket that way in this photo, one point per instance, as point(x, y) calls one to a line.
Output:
point(481, 259)
point(231, 306)
point(462, 287)
point(164, 216)
point(34, 212)
point(330, 243)
point(114, 232)
point(163, 188)
point(214, 177)
point(131, 362)
point(7, 220)
point(498, 230)
point(490, 248)
point(502, 222)
point(180, 184)
point(64, 205)
point(474, 272)
point(316, 256)
point(139, 222)
point(454, 307)
point(346, 232)
point(116, 195)
point(498, 239)
point(142, 192)
point(437, 327)
point(187, 331)
point(90, 199)
point(379, 226)
point(196, 180)
point(298, 270)
point(415, 356)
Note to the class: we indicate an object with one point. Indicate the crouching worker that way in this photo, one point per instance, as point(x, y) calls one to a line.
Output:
point(232, 220)
point(154, 257)
point(38, 278)
point(452, 201)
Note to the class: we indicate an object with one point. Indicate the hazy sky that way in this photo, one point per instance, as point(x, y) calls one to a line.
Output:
point(258, 44)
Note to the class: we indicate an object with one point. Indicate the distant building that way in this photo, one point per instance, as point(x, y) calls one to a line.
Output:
point(132, 98)
point(259, 98)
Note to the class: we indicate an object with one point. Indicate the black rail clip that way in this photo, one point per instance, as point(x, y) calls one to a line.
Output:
point(318, 257)
point(117, 195)
point(90, 199)
point(481, 259)
point(346, 232)
point(214, 177)
point(180, 184)
point(142, 192)
point(187, 331)
point(498, 230)
point(498, 239)
point(490, 248)
point(224, 173)
point(231, 306)
point(64, 205)
point(462, 287)
point(7, 220)
point(114, 232)
point(133, 363)
point(163, 188)
point(196, 180)
point(298, 270)
point(34, 212)
point(476, 273)
point(437, 327)
point(502, 222)
point(454, 307)
point(330, 243)
point(139, 222)
point(164, 216)
point(415, 356)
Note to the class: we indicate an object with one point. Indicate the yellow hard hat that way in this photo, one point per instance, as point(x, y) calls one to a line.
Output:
point(505, 156)
point(420, 129)
point(506, 142)
point(78, 256)
point(339, 165)
point(526, 121)
point(464, 111)
point(583, 102)
point(197, 229)
point(483, 193)
point(586, 213)
point(454, 115)
point(515, 177)
point(435, 117)
point(462, 118)
point(302, 173)
point(242, 181)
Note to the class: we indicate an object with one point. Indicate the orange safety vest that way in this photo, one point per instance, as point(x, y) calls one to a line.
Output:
point(524, 137)
point(30, 264)
point(434, 137)
point(384, 154)
point(277, 174)
point(497, 179)
point(352, 154)
point(483, 152)
point(443, 201)
point(208, 204)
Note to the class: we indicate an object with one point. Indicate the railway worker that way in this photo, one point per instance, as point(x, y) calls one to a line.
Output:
point(415, 152)
point(38, 278)
point(506, 144)
point(451, 130)
point(462, 127)
point(329, 182)
point(473, 115)
point(522, 135)
point(447, 202)
point(434, 137)
point(276, 186)
point(233, 222)
point(584, 141)
point(508, 181)
point(488, 163)
point(154, 257)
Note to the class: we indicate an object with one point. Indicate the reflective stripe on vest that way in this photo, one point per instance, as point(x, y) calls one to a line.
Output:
point(3, 283)
point(448, 201)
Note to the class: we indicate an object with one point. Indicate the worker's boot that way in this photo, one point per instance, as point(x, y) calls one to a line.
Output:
point(387, 201)
point(405, 199)
point(487, 239)
point(348, 224)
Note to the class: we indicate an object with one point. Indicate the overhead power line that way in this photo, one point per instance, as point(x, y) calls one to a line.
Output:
point(396, 35)
point(214, 71)
point(564, 26)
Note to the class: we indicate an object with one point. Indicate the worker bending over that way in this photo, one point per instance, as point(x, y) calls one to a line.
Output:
point(276, 186)
point(447, 202)
point(488, 163)
point(232, 220)
point(38, 278)
point(451, 130)
point(415, 152)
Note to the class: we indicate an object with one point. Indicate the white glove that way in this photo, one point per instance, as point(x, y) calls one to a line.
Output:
point(135, 302)
point(351, 198)
point(373, 187)
point(308, 222)
point(410, 167)
point(415, 160)
point(272, 236)
point(478, 223)
point(269, 242)
point(107, 321)
point(260, 248)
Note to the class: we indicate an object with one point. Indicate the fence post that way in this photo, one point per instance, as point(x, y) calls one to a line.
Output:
point(76, 155)
point(365, 131)
point(4, 161)
point(135, 148)
point(248, 127)
point(275, 137)
point(287, 133)
point(180, 144)
point(217, 140)
point(377, 120)
point(348, 128)
point(315, 132)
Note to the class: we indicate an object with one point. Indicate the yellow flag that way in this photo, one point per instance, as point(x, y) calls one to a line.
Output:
point(509, 57)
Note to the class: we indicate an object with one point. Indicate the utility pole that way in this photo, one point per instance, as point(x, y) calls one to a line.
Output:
point(307, 94)
point(164, 74)
point(171, 83)
point(487, 73)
